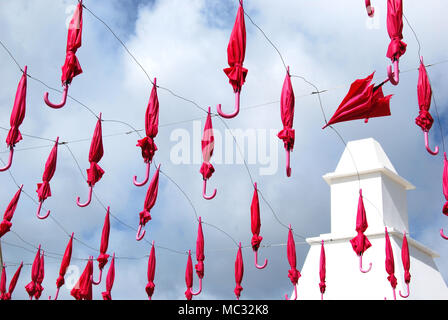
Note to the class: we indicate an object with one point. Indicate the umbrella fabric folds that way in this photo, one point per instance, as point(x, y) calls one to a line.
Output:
point(151, 272)
point(239, 272)
point(395, 28)
point(208, 144)
point(189, 277)
point(40, 277)
point(406, 264)
point(64, 265)
point(255, 224)
point(12, 285)
point(6, 224)
point(322, 271)
point(3, 282)
point(199, 256)
point(293, 273)
point(363, 101)
point(83, 288)
point(390, 266)
point(37, 272)
point(445, 190)
point(109, 280)
point(102, 258)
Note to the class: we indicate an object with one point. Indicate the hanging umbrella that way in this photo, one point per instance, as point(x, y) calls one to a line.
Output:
point(64, 265)
point(94, 173)
point(3, 283)
point(360, 243)
point(151, 128)
point(43, 189)
point(102, 258)
point(199, 257)
point(363, 101)
point(71, 67)
point(151, 272)
point(17, 117)
point(12, 284)
point(208, 144)
point(370, 9)
point(32, 286)
point(293, 273)
point(424, 93)
point(236, 51)
point(255, 225)
point(396, 47)
point(239, 272)
point(406, 264)
point(109, 280)
point(40, 278)
point(189, 277)
point(83, 288)
point(445, 190)
point(287, 115)
point(322, 271)
point(150, 201)
point(6, 224)
point(390, 266)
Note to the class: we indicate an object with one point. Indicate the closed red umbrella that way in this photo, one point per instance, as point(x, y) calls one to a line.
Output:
point(71, 67)
point(322, 271)
point(406, 264)
point(40, 278)
point(83, 288)
point(43, 189)
point(6, 224)
point(208, 144)
point(64, 265)
point(151, 272)
point(17, 117)
point(189, 277)
point(12, 284)
point(287, 114)
point(396, 47)
point(363, 101)
point(390, 266)
point(32, 286)
point(102, 258)
point(199, 257)
point(239, 272)
point(445, 190)
point(3, 283)
point(236, 51)
point(370, 9)
point(151, 128)
point(110, 280)
point(293, 273)
point(360, 243)
point(255, 225)
point(150, 201)
point(96, 152)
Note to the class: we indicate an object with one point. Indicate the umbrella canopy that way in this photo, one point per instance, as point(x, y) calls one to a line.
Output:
point(255, 222)
point(83, 288)
point(12, 284)
point(96, 152)
point(360, 243)
point(65, 263)
point(18, 112)
point(31, 287)
point(239, 272)
point(102, 258)
point(150, 199)
point(424, 94)
point(322, 269)
point(200, 251)
point(110, 280)
point(406, 260)
point(3, 282)
point(43, 189)
point(363, 101)
point(40, 277)
point(151, 272)
point(390, 266)
point(6, 224)
point(293, 273)
point(189, 277)
point(395, 28)
point(287, 101)
point(208, 144)
point(445, 184)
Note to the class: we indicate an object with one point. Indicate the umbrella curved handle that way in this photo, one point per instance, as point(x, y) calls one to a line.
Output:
point(199, 289)
point(394, 76)
point(370, 9)
point(256, 261)
point(436, 149)
point(360, 265)
point(56, 296)
point(288, 163)
point(139, 184)
point(442, 235)
point(61, 104)
point(88, 200)
point(11, 153)
point(38, 212)
point(204, 191)
point(140, 235)
point(407, 295)
point(99, 280)
point(395, 295)
point(236, 110)
point(295, 294)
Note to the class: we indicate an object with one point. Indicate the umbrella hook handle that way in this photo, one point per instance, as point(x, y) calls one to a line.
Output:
point(288, 163)
point(256, 261)
point(88, 200)
point(395, 295)
point(442, 235)
point(407, 295)
point(62, 103)
point(370, 9)
point(235, 112)
point(360, 265)
point(139, 184)
point(11, 153)
point(436, 149)
point(56, 296)
point(204, 191)
point(140, 235)
point(394, 76)
point(199, 289)
point(295, 294)
point(38, 212)
point(99, 280)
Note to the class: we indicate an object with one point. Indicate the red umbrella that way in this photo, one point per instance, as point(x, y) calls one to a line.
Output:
point(102, 258)
point(152, 128)
point(255, 225)
point(64, 265)
point(6, 224)
point(71, 67)
point(370, 9)
point(109, 280)
point(16, 119)
point(151, 272)
point(396, 47)
point(150, 201)
point(445, 190)
point(406, 264)
point(96, 152)
point(363, 101)
point(40, 278)
point(322, 271)
point(43, 189)
point(360, 243)
point(12, 284)
point(189, 277)
point(83, 288)
point(239, 272)
point(199, 257)
point(293, 273)
point(236, 51)
point(32, 286)
point(3, 283)
point(287, 115)
point(390, 267)
point(208, 144)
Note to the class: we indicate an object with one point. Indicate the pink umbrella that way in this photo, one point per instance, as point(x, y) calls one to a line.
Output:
point(96, 152)
point(322, 271)
point(152, 128)
point(189, 277)
point(445, 190)
point(396, 47)
point(239, 272)
point(32, 286)
point(406, 264)
point(40, 278)
point(3, 283)
point(370, 9)
point(6, 224)
point(43, 189)
point(150, 201)
point(287, 115)
point(236, 51)
point(255, 225)
point(390, 266)
point(17, 117)
point(109, 280)
point(64, 265)
point(360, 243)
point(102, 258)
point(208, 144)
point(71, 67)
point(83, 288)
point(151, 272)
point(199, 257)
point(293, 273)
point(12, 284)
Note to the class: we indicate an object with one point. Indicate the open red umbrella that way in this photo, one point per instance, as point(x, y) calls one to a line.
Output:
point(239, 272)
point(396, 47)
point(12, 284)
point(151, 272)
point(32, 286)
point(390, 266)
point(150, 201)
point(199, 257)
point(64, 265)
point(236, 51)
point(293, 273)
point(43, 189)
point(363, 101)
point(370, 9)
point(189, 277)
point(71, 67)
point(6, 224)
point(360, 243)
point(110, 280)
point(445, 190)
point(96, 152)
point(83, 288)
point(406, 264)
point(40, 278)
point(17, 117)
point(208, 144)
point(255, 225)
point(322, 271)
point(151, 128)
point(287, 115)
point(102, 258)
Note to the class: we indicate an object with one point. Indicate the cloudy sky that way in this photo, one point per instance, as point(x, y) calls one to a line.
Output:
point(183, 44)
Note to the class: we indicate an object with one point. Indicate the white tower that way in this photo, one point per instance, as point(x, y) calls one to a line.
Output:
point(365, 165)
